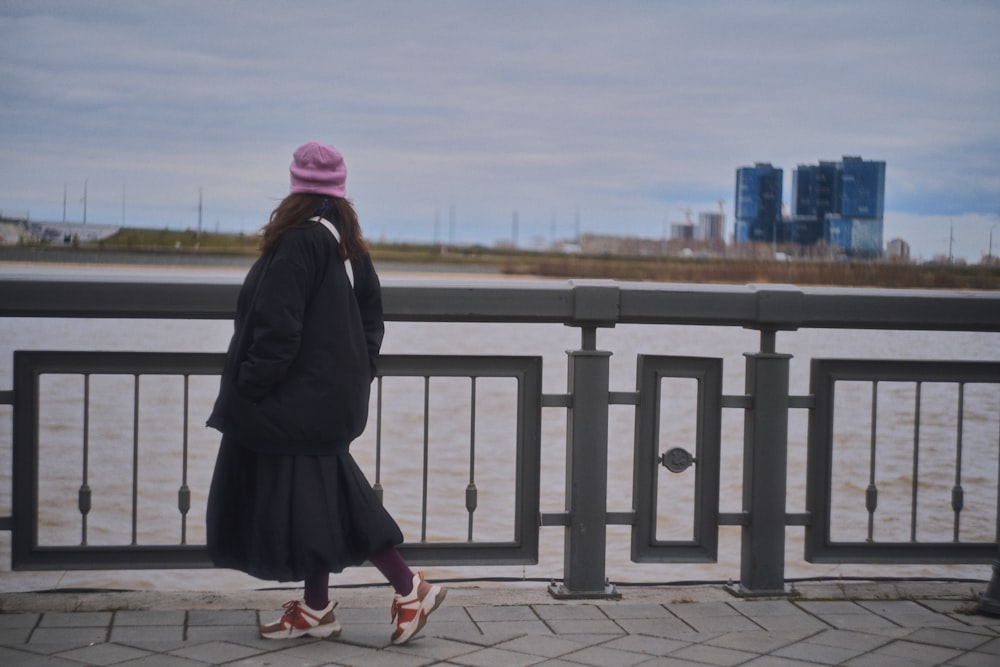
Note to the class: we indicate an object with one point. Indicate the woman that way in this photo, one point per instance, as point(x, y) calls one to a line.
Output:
point(287, 500)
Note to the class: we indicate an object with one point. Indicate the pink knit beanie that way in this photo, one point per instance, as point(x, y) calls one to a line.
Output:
point(319, 169)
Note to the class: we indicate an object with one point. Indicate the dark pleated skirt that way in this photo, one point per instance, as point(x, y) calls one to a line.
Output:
point(285, 518)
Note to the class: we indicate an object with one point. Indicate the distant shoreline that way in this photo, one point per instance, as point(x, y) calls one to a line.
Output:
point(74, 256)
point(478, 263)
point(107, 259)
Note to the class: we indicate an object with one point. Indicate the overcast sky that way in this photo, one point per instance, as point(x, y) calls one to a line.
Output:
point(452, 115)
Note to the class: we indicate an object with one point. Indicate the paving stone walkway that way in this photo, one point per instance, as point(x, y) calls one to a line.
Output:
point(489, 627)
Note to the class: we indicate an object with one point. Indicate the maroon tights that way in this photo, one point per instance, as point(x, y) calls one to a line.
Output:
point(388, 561)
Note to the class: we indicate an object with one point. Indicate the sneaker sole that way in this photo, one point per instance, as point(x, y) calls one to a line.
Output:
point(427, 606)
point(320, 632)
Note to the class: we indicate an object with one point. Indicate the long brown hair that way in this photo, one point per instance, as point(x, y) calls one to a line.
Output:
point(295, 210)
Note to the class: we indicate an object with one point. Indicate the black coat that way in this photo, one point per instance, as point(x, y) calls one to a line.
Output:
point(298, 372)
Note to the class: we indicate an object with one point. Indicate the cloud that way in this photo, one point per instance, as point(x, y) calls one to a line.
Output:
point(625, 112)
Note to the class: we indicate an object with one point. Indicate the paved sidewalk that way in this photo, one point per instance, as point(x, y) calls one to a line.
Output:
point(510, 626)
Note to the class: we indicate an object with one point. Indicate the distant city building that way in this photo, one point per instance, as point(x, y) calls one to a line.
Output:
point(841, 203)
point(711, 227)
point(14, 230)
point(609, 244)
point(758, 203)
point(814, 191)
point(681, 230)
point(12, 233)
point(898, 250)
point(65, 233)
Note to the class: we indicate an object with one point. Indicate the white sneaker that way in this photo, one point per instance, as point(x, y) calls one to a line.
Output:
point(410, 612)
point(301, 619)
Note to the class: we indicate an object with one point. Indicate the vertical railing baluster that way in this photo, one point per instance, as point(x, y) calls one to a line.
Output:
point(83, 496)
point(423, 491)
point(871, 493)
point(135, 459)
point(184, 493)
point(916, 464)
point(377, 486)
point(471, 494)
point(957, 493)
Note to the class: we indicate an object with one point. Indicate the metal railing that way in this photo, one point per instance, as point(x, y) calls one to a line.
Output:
point(587, 306)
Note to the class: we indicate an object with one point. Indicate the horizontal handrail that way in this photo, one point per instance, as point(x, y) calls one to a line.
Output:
point(572, 302)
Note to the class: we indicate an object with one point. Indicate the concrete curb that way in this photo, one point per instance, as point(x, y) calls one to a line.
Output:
point(466, 595)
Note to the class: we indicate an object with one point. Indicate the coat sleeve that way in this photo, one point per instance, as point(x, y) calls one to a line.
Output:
point(277, 321)
point(369, 294)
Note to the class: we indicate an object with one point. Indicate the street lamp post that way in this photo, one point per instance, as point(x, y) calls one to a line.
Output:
point(989, 253)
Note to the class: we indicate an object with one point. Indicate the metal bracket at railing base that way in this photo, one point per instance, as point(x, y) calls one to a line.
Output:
point(560, 592)
point(737, 589)
point(988, 605)
point(989, 601)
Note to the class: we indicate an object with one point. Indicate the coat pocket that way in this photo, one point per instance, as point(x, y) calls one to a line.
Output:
point(251, 422)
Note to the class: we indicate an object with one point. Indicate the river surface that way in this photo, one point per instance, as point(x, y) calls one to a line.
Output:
point(111, 428)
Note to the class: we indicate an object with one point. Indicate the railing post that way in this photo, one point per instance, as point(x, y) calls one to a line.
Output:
point(587, 452)
point(765, 456)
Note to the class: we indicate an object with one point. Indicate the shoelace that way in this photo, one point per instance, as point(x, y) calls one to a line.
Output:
point(399, 607)
point(293, 610)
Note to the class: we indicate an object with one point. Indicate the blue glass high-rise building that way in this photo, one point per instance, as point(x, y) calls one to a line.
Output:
point(840, 203)
point(758, 203)
point(815, 191)
point(862, 188)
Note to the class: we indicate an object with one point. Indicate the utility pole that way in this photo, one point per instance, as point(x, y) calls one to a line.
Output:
point(513, 231)
point(951, 238)
point(85, 201)
point(451, 225)
point(721, 228)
